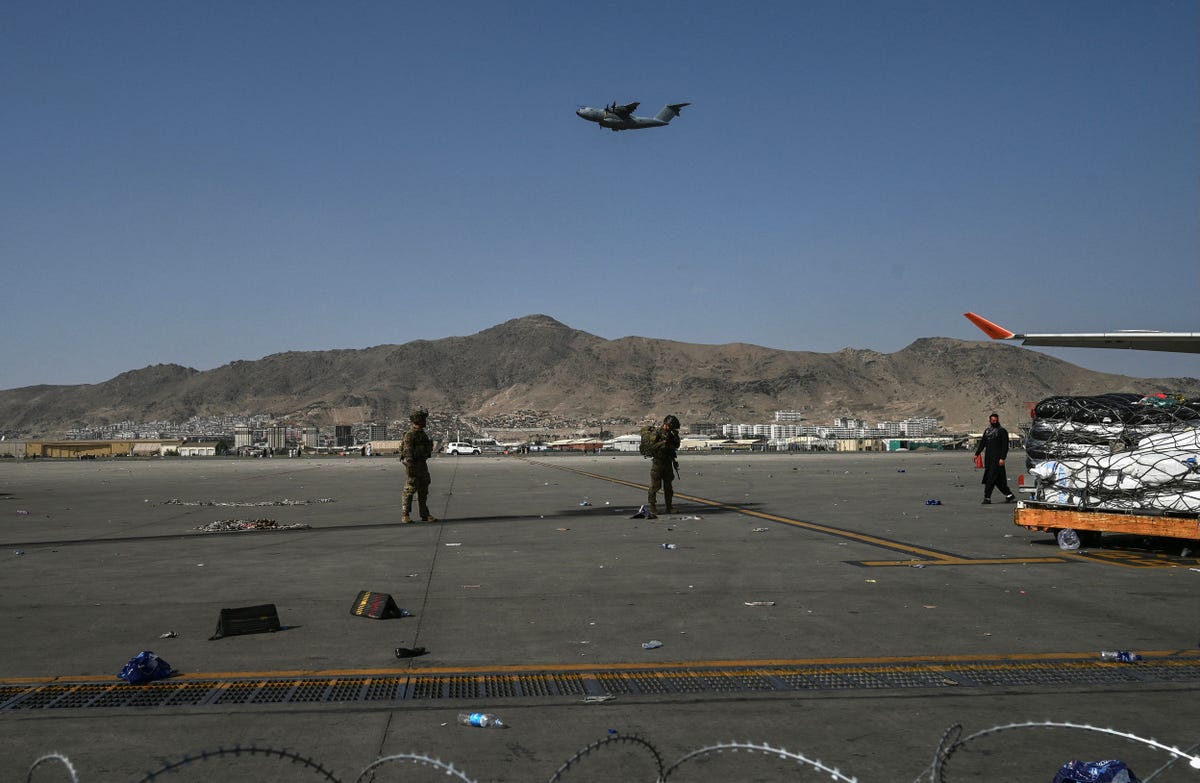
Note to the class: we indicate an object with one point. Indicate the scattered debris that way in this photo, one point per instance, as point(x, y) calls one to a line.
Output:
point(167, 635)
point(760, 603)
point(669, 546)
point(644, 512)
point(233, 525)
point(454, 543)
point(760, 530)
point(598, 699)
point(240, 504)
point(410, 652)
point(653, 644)
point(933, 502)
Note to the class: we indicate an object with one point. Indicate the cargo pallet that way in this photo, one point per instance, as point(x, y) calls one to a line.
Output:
point(1053, 518)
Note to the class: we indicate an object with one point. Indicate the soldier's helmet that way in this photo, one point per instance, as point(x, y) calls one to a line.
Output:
point(418, 416)
point(671, 422)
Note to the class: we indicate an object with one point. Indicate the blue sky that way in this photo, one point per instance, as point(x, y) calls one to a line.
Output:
point(204, 182)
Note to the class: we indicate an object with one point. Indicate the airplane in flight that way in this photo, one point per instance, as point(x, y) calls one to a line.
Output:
point(1138, 340)
point(619, 118)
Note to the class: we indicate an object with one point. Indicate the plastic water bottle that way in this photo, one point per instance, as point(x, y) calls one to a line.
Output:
point(484, 720)
point(1120, 656)
point(1068, 539)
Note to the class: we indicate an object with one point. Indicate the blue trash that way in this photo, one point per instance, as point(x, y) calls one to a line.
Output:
point(1096, 772)
point(144, 667)
point(933, 502)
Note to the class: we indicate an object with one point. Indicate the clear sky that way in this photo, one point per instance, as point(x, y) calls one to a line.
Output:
point(204, 182)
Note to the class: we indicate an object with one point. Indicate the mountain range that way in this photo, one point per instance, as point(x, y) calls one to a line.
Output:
point(535, 367)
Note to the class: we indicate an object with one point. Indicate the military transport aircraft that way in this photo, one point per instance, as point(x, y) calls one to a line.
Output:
point(620, 117)
point(1175, 342)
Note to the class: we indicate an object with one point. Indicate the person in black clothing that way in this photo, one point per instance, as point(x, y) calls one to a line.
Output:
point(994, 446)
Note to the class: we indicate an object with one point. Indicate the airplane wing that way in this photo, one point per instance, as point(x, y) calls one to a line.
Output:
point(627, 109)
point(1175, 342)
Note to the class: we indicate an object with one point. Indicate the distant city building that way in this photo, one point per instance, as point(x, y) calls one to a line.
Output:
point(919, 426)
point(311, 437)
point(377, 432)
point(889, 429)
point(343, 435)
point(842, 428)
point(241, 436)
point(276, 438)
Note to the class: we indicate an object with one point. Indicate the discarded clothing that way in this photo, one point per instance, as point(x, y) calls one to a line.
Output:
point(1095, 772)
point(144, 667)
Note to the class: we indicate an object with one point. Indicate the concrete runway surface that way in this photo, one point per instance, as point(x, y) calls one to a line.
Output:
point(813, 603)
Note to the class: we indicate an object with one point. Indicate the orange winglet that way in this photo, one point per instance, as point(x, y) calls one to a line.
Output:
point(992, 330)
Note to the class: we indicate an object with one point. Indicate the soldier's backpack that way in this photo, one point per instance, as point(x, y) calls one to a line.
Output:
point(649, 438)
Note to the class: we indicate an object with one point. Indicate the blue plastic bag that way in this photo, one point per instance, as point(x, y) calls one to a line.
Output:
point(144, 667)
point(1095, 772)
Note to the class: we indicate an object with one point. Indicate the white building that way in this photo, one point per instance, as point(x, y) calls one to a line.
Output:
point(624, 443)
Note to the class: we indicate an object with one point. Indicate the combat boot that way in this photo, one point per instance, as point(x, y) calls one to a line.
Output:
point(653, 507)
point(429, 518)
point(406, 519)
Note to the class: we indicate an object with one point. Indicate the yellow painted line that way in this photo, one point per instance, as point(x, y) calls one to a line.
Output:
point(927, 556)
point(958, 561)
point(322, 676)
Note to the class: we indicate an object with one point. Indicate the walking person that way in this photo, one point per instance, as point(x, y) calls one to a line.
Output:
point(994, 447)
point(663, 465)
point(415, 451)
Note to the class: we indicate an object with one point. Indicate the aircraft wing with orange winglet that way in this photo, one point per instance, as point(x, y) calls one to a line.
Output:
point(1175, 342)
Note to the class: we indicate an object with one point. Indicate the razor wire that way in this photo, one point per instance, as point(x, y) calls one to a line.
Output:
point(611, 739)
point(1119, 452)
point(417, 758)
point(950, 743)
point(66, 762)
point(238, 751)
point(765, 749)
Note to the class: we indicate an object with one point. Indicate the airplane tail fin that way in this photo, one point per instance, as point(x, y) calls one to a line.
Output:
point(670, 111)
point(994, 331)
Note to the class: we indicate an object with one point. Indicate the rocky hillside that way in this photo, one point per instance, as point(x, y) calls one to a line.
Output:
point(536, 364)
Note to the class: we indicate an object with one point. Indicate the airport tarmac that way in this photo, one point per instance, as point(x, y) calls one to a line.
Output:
point(816, 603)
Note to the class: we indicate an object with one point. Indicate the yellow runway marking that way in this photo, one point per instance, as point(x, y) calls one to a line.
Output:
point(919, 555)
point(661, 668)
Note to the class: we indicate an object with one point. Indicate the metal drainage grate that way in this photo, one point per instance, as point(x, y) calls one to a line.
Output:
point(654, 682)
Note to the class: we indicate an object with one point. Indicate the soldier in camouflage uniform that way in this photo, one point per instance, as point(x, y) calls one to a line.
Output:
point(663, 464)
point(415, 450)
